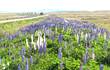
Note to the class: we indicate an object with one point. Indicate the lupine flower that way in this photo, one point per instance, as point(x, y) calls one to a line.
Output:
point(34, 46)
point(93, 55)
point(27, 44)
point(86, 36)
point(23, 57)
point(60, 53)
point(61, 66)
point(27, 66)
point(101, 66)
point(85, 58)
point(60, 38)
point(40, 50)
point(44, 44)
point(82, 35)
point(40, 43)
point(52, 38)
point(31, 60)
point(19, 67)
point(32, 40)
point(22, 52)
point(78, 39)
point(81, 67)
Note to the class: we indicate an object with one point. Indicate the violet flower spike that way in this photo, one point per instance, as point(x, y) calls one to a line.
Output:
point(31, 60)
point(27, 66)
point(101, 66)
point(60, 53)
point(19, 67)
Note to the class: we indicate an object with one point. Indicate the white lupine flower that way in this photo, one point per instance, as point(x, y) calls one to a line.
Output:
point(93, 54)
point(66, 21)
point(32, 39)
point(34, 45)
point(77, 38)
point(40, 40)
point(32, 42)
point(27, 44)
point(44, 44)
point(86, 35)
point(44, 38)
point(82, 35)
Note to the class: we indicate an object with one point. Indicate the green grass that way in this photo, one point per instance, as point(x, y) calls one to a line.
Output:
point(6, 16)
point(12, 27)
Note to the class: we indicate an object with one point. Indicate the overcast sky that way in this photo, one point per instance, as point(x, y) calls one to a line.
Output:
point(53, 5)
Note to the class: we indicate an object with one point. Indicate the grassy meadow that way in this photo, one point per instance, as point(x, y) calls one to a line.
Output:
point(12, 27)
point(100, 18)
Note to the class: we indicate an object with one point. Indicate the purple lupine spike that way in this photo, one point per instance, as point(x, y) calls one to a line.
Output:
point(19, 67)
point(85, 59)
point(101, 66)
point(86, 50)
point(60, 38)
point(27, 66)
point(44, 47)
point(23, 50)
point(52, 38)
point(44, 44)
point(40, 50)
point(81, 68)
point(61, 66)
point(86, 56)
point(60, 53)
point(31, 60)
point(23, 57)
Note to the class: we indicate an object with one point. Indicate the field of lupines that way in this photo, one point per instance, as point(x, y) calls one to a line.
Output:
point(56, 44)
